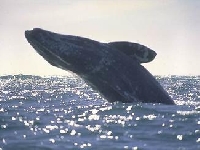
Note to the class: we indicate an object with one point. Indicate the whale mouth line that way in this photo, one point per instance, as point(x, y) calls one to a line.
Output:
point(47, 54)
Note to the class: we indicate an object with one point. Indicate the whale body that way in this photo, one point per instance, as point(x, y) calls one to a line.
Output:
point(115, 75)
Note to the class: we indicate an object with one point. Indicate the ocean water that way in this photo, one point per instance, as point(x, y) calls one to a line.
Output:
point(65, 113)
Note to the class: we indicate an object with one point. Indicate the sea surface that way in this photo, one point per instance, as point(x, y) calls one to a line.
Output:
point(58, 113)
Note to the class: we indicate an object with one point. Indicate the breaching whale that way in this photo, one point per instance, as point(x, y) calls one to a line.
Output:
point(104, 66)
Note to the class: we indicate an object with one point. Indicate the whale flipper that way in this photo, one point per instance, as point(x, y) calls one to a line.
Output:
point(139, 52)
point(115, 75)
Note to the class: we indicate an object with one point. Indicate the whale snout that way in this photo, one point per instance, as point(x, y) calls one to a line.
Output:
point(34, 32)
point(27, 33)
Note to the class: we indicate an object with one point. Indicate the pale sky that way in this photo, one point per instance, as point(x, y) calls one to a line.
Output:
point(170, 27)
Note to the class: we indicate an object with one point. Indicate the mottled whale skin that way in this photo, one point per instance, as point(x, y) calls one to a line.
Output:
point(111, 72)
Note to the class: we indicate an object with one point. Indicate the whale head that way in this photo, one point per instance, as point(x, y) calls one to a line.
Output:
point(48, 45)
point(63, 51)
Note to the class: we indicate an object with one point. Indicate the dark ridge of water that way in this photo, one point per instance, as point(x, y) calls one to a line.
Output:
point(65, 113)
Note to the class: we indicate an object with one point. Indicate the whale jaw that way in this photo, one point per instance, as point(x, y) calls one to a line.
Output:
point(49, 53)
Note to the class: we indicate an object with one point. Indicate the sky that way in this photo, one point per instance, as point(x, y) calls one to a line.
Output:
point(169, 27)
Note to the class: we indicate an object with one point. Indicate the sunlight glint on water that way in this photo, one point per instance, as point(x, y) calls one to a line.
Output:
point(65, 113)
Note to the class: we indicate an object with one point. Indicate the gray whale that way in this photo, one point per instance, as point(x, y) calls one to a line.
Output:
point(115, 75)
